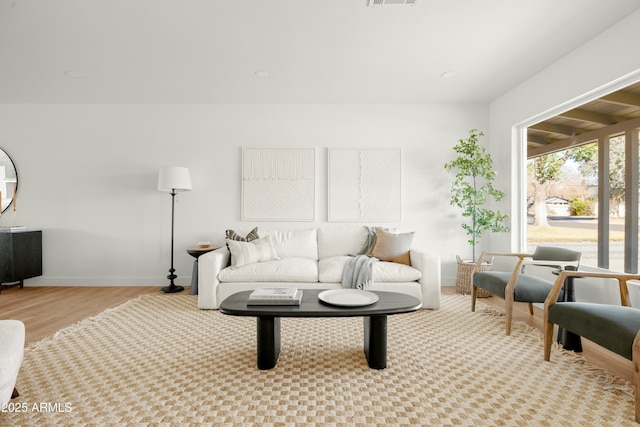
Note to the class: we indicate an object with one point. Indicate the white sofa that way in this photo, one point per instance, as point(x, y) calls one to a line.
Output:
point(315, 259)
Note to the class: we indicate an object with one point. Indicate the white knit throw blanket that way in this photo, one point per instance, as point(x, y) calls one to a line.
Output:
point(358, 273)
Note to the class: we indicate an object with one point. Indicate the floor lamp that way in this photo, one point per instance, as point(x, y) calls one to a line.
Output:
point(173, 179)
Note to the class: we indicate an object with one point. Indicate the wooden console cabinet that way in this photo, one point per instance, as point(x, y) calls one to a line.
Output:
point(20, 257)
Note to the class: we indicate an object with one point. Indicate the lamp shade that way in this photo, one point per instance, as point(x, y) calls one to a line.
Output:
point(173, 178)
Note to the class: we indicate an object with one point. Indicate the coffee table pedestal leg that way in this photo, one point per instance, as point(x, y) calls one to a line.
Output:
point(375, 341)
point(268, 337)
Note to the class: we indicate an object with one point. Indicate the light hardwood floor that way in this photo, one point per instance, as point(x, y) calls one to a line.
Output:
point(45, 310)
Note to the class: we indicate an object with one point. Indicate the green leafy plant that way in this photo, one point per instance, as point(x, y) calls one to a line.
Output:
point(581, 207)
point(473, 188)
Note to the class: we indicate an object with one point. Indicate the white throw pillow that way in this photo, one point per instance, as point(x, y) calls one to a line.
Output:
point(259, 250)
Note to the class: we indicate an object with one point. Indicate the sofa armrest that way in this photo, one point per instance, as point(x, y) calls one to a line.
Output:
point(12, 335)
point(209, 265)
point(429, 265)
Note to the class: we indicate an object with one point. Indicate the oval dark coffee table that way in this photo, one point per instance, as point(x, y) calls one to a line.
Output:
point(268, 321)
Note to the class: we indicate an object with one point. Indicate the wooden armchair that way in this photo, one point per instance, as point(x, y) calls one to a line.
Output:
point(516, 286)
point(615, 327)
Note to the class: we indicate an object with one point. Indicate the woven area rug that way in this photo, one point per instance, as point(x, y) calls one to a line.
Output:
point(158, 360)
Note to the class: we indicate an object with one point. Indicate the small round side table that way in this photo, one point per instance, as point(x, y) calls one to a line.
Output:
point(568, 339)
point(196, 251)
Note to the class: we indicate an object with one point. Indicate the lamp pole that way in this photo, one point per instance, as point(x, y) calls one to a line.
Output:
point(172, 286)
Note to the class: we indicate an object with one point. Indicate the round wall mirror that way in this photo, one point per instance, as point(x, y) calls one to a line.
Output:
point(8, 180)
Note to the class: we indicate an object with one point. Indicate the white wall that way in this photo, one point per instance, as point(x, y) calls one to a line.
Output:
point(88, 177)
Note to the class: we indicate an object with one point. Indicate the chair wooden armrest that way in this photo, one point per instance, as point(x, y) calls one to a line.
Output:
point(549, 263)
point(622, 279)
point(483, 255)
point(505, 254)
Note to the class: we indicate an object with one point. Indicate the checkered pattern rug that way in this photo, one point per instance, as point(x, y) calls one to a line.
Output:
point(158, 360)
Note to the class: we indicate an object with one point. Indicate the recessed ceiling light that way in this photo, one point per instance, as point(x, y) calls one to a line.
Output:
point(262, 74)
point(75, 74)
point(448, 74)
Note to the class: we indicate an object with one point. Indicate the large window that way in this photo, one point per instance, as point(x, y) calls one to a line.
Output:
point(586, 198)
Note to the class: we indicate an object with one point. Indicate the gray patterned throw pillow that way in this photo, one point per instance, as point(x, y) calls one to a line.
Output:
point(252, 235)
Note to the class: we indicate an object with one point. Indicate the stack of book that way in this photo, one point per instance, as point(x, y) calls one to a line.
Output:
point(275, 296)
point(12, 228)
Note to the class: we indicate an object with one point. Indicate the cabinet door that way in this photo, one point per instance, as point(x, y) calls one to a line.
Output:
point(20, 255)
point(28, 255)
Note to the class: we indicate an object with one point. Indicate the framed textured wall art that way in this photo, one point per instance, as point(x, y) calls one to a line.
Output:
point(364, 184)
point(278, 184)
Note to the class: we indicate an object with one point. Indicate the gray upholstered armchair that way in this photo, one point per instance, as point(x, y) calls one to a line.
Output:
point(615, 327)
point(517, 286)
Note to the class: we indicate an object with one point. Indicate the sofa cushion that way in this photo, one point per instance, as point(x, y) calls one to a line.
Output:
point(243, 253)
point(330, 270)
point(333, 241)
point(291, 269)
point(384, 271)
point(392, 247)
point(295, 243)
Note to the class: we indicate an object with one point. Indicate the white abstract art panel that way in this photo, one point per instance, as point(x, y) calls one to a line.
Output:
point(278, 184)
point(364, 184)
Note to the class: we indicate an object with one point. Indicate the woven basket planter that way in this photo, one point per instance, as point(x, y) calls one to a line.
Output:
point(463, 281)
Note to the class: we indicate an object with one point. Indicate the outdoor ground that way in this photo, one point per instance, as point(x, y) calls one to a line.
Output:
point(574, 230)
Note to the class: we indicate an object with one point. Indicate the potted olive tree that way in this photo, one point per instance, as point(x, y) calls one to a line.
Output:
point(471, 191)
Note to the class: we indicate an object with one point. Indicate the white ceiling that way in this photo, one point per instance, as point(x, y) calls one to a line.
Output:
point(321, 51)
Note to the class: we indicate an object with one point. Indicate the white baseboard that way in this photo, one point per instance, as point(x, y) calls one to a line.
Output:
point(105, 281)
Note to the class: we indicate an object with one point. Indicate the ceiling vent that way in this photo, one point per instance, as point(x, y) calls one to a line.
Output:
point(373, 3)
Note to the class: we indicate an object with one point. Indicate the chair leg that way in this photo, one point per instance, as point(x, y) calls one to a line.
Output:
point(635, 356)
point(531, 308)
point(474, 291)
point(548, 339)
point(509, 311)
point(15, 393)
